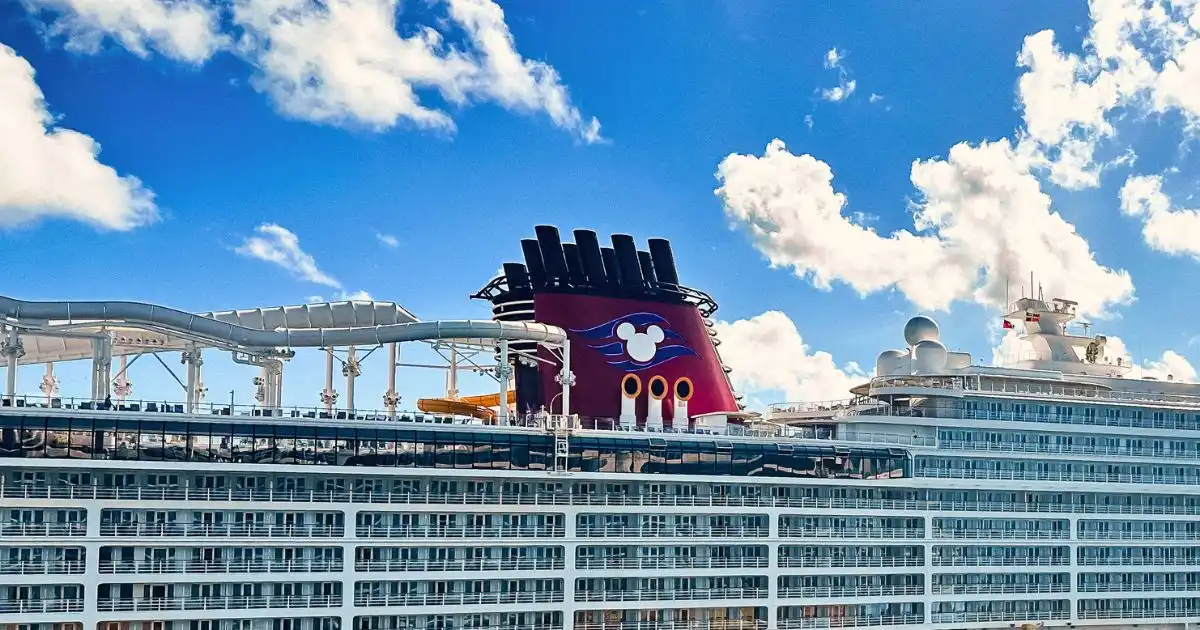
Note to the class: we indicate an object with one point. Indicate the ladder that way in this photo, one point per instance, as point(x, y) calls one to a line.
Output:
point(560, 425)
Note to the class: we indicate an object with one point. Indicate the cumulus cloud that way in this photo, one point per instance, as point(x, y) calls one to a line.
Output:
point(387, 239)
point(339, 62)
point(834, 60)
point(342, 61)
point(342, 296)
point(767, 354)
point(47, 171)
point(185, 30)
point(281, 247)
point(1170, 366)
point(981, 223)
point(1138, 55)
point(1164, 228)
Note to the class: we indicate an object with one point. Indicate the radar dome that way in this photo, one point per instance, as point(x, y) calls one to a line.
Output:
point(920, 328)
point(891, 362)
point(929, 356)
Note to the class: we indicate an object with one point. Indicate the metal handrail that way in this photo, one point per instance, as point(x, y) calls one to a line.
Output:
point(177, 530)
point(857, 621)
point(852, 591)
point(447, 599)
point(218, 603)
point(670, 594)
point(41, 605)
point(220, 566)
point(44, 567)
point(677, 562)
point(481, 564)
point(434, 531)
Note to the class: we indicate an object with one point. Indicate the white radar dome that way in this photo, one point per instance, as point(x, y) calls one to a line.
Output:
point(891, 362)
point(920, 328)
point(929, 356)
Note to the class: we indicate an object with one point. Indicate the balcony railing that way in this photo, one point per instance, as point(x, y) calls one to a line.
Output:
point(34, 606)
point(710, 624)
point(1118, 587)
point(400, 531)
point(43, 567)
point(43, 529)
point(1000, 534)
point(457, 599)
point(983, 561)
point(1068, 449)
point(1153, 613)
point(1000, 615)
point(636, 595)
point(852, 591)
point(177, 530)
point(1029, 475)
point(486, 564)
point(1095, 535)
point(851, 532)
point(851, 561)
point(1185, 561)
point(151, 493)
point(221, 566)
point(996, 589)
point(218, 603)
point(860, 621)
point(670, 562)
point(677, 531)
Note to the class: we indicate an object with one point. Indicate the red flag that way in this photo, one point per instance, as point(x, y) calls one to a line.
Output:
point(1008, 325)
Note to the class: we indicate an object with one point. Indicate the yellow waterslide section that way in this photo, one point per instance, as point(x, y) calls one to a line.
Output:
point(479, 407)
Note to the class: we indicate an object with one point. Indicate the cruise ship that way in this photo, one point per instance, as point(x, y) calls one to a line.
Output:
point(611, 481)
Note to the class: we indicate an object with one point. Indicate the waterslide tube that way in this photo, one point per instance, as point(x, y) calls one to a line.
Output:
point(212, 329)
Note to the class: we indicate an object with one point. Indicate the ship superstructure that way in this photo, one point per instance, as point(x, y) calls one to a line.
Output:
point(622, 488)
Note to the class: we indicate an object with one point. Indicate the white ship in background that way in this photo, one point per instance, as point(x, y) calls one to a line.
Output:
point(621, 489)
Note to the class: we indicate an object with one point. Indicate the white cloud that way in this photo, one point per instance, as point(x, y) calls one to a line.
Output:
point(387, 239)
point(1170, 366)
point(767, 354)
point(185, 30)
point(846, 86)
point(1012, 348)
point(344, 62)
point(874, 98)
point(982, 223)
point(808, 121)
point(1164, 228)
point(341, 296)
point(279, 246)
point(51, 172)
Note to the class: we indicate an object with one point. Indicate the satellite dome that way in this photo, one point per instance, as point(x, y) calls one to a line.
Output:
point(891, 362)
point(919, 329)
point(929, 356)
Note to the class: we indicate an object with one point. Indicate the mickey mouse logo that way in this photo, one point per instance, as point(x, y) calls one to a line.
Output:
point(629, 349)
point(640, 346)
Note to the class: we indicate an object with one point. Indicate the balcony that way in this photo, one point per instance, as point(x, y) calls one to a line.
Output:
point(861, 621)
point(219, 530)
point(850, 532)
point(417, 531)
point(43, 529)
point(852, 591)
point(666, 531)
point(1118, 587)
point(1000, 615)
point(1069, 449)
point(690, 594)
point(219, 566)
point(670, 562)
point(43, 567)
point(1095, 535)
point(710, 624)
point(1138, 562)
point(996, 534)
point(1000, 562)
point(1153, 613)
point(457, 599)
point(883, 561)
point(218, 603)
point(998, 589)
point(483, 564)
point(35, 606)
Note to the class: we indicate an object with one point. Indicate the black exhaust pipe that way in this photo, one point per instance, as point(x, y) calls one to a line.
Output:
point(574, 265)
point(593, 260)
point(647, 266)
point(552, 255)
point(627, 260)
point(664, 261)
point(518, 278)
point(612, 271)
point(533, 263)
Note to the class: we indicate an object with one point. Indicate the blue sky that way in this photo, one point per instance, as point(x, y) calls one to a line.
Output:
point(1071, 158)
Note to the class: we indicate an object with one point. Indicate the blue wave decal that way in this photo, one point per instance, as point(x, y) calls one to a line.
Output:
point(614, 349)
point(609, 328)
point(662, 356)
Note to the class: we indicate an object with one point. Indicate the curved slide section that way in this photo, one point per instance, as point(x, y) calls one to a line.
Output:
point(456, 407)
point(140, 313)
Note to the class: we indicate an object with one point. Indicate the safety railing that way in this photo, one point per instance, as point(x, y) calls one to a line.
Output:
point(676, 562)
point(43, 529)
point(220, 567)
point(217, 603)
point(1029, 475)
point(1068, 449)
point(400, 531)
point(217, 530)
point(998, 589)
point(851, 561)
point(497, 564)
point(1000, 615)
point(1125, 535)
point(1189, 561)
point(644, 595)
point(457, 599)
point(1119, 587)
point(1181, 612)
point(994, 534)
point(1052, 561)
point(42, 567)
point(854, 621)
point(33, 606)
point(850, 532)
point(699, 531)
point(709, 624)
point(852, 591)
